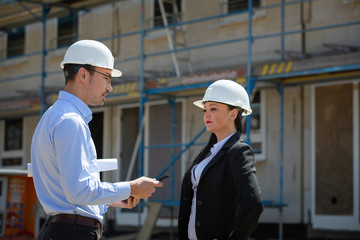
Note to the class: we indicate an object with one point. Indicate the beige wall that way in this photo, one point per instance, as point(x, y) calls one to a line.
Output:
point(124, 17)
point(3, 42)
point(331, 13)
point(194, 123)
point(33, 31)
point(30, 124)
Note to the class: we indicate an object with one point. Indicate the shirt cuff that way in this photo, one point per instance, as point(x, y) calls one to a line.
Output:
point(124, 190)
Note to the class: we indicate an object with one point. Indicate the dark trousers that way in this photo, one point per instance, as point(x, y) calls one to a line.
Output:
point(65, 231)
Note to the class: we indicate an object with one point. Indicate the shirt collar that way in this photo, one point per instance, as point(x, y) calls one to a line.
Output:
point(78, 103)
point(217, 146)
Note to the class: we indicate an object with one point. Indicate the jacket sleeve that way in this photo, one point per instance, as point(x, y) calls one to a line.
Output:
point(248, 194)
point(185, 206)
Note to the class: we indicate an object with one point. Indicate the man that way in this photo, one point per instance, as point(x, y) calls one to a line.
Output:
point(63, 154)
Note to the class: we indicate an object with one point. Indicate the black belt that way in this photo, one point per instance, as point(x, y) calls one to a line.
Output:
point(76, 219)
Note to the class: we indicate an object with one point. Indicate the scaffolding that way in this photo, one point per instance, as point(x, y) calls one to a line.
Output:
point(252, 78)
point(251, 82)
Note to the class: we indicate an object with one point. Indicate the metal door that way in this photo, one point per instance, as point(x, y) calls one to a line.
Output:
point(3, 197)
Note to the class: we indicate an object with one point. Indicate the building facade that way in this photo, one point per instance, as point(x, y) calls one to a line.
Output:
point(299, 60)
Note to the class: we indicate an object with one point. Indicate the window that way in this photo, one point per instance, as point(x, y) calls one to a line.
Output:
point(12, 161)
point(16, 42)
point(12, 143)
point(238, 5)
point(66, 31)
point(257, 125)
point(13, 134)
point(173, 13)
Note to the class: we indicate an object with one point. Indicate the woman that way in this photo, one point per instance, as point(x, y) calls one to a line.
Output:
point(220, 196)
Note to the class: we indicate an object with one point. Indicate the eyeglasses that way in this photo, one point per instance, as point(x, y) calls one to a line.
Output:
point(90, 68)
point(106, 75)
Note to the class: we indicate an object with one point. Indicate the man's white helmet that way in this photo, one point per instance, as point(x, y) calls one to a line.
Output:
point(90, 52)
point(228, 92)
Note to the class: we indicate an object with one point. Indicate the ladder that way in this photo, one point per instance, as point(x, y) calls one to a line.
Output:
point(173, 43)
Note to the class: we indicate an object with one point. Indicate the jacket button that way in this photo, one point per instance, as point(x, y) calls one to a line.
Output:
point(199, 203)
point(197, 224)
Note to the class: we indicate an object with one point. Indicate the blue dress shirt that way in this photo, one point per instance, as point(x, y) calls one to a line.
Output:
point(63, 154)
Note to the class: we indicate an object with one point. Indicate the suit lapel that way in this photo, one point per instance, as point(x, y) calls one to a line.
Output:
point(221, 153)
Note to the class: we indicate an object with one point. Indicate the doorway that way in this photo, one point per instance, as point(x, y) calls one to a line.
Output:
point(158, 127)
point(96, 126)
point(335, 184)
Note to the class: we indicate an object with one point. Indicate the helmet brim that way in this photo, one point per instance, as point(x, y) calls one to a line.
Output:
point(199, 103)
point(116, 73)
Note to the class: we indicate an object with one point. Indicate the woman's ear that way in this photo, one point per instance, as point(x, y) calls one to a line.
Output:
point(234, 113)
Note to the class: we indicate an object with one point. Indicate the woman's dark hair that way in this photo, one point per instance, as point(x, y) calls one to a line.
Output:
point(71, 69)
point(238, 124)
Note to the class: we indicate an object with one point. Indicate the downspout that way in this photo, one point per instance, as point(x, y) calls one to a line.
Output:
point(303, 22)
point(249, 79)
point(45, 11)
point(142, 103)
point(302, 160)
point(302, 172)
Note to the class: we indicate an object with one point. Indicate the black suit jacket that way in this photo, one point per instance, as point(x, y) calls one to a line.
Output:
point(228, 204)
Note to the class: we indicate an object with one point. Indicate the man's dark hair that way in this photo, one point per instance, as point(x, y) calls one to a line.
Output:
point(70, 71)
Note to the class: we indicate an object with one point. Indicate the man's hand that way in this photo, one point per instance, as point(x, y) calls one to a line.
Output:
point(128, 203)
point(144, 187)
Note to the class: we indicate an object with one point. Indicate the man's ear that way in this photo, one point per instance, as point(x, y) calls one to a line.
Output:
point(82, 74)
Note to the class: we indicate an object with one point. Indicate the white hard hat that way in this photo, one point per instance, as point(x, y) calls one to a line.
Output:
point(92, 53)
point(228, 92)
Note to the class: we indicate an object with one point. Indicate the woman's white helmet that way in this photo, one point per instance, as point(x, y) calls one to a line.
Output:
point(228, 92)
point(92, 53)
